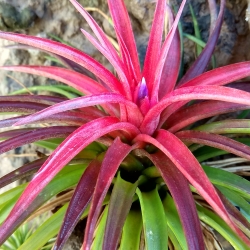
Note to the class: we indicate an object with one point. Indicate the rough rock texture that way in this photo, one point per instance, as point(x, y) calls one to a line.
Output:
point(58, 17)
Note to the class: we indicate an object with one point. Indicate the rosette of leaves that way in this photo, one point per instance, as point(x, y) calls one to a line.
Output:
point(130, 150)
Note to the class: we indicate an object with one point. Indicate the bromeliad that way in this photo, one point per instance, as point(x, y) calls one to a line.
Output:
point(141, 130)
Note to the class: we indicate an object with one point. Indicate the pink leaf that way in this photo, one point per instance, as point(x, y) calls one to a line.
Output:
point(199, 111)
point(154, 90)
point(69, 148)
point(134, 116)
point(193, 93)
point(154, 43)
point(117, 64)
point(70, 53)
point(97, 30)
point(123, 29)
point(78, 81)
point(172, 64)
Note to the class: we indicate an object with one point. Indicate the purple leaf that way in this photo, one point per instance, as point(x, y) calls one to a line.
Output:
point(78, 203)
point(24, 171)
point(202, 61)
point(35, 135)
point(216, 141)
point(185, 161)
point(179, 188)
point(111, 162)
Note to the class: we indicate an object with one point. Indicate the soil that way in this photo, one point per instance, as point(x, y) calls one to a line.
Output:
point(59, 18)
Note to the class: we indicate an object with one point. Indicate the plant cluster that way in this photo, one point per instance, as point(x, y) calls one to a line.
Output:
point(129, 152)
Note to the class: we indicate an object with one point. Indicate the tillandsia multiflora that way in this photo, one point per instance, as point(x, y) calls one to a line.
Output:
point(136, 133)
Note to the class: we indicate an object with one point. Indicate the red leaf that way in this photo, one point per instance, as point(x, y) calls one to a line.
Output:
point(193, 93)
point(78, 81)
point(183, 159)
point(134, 116)
point(111, 162)
point(154, 44)
point(202, 61)
point(124, 31)
point(70, 53)
point(164, 53)
point(216, 141)
point(221, 76)
point(199, 111)
point(179, 188)
point(116, 63)
point(171, 67)
point(78, 203)
point(97, 30)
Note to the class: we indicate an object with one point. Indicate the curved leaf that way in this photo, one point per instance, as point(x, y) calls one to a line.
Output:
point(189, 115)
point(214, 140)
point(78, 202)
point(79, 81)
point(184, 160)
point(219, 225)
point(24, 171)
point(119, 206)
point(70, 53)
point(109, 167)
point(131, 232)
point(179, 188)
point(86, 101)
point(124, 31)
point(218, 93)
point(154, 224)
point(77, 141)
point(35, 135)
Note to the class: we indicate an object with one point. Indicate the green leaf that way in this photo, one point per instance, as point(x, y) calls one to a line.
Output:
point(45, 232)
point(237, 200)
point(219, 225)
point(119, 206)
point(228, 180)
point(99, 232)
point(154, 223)
point(53, 89)
point(131, 233)
point(177, 235)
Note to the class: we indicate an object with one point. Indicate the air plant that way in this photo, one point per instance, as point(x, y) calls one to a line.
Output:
point(131, 144)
